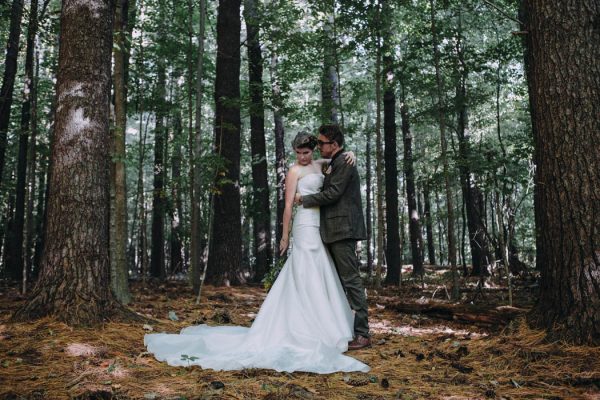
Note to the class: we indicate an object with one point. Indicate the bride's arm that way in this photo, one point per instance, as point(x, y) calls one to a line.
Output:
point(291, 181)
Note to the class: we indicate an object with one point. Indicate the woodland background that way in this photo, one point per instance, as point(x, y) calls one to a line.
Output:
point(148, 140)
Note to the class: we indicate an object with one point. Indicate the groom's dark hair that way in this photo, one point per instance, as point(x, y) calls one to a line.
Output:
point(333, 132)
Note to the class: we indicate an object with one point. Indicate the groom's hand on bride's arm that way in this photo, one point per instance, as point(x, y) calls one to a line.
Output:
point(298, 199)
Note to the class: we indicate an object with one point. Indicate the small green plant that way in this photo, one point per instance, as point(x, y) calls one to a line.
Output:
point(270, 276)
point(185, 357)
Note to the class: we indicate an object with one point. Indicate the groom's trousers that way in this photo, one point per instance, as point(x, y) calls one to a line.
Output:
point(344, 256)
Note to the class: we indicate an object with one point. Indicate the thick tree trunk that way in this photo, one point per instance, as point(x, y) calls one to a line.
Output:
point(157, 257)
point(414, 225)
point(8, 79)
point(565, 96)
point(260, 185)
point(392, 249)
point(196, 247)
point(225, 244)
point(74, 283)
point(118, 217)
point(280, 158)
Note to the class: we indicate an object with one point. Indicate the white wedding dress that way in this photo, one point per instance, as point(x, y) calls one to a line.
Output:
point(304, 324)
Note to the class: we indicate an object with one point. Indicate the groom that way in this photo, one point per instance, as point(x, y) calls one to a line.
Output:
point(342, 224)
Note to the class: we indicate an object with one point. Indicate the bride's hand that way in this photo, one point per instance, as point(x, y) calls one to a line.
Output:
point(350, 158)
point(283, 245)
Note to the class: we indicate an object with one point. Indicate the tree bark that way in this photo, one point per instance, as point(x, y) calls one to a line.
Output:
point(478, 241)
point(369, 195)
point(565, 96)
point(176, 209)
point(414, 225)
point(392, 248)
point(196, 248)
point(8, 79)
point(428, 224)
point(444, 156)
point(225, 244)
point(260, 188)
point(157, 256)
point(74, 283)
point(14, 257)
point(379, 154)
point(280, 158)
point(330, 99)
point(118, 237)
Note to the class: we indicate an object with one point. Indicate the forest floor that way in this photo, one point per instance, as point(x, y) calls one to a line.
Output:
point(424, 347)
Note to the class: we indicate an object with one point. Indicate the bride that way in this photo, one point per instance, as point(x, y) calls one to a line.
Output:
point(305, 322)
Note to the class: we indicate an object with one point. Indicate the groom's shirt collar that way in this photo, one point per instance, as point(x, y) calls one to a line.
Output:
point(336, 155)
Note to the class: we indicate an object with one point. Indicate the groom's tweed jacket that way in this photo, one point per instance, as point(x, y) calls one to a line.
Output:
point(340, 202)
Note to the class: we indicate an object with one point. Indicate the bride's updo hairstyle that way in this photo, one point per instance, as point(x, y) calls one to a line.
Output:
point(304, 140)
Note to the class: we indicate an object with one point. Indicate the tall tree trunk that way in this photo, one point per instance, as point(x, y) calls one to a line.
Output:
point(330, 99)
point(196, 250)
point(392, 254)
point(260, 185)
point(369, 195)
point(225, 244)
point(379, 154)
point(118, 234)
point(428, 224)
point(448, 186)
point(176, 211)
point(14, 250)
point(74, 283)
point(8, 79)
point(157, 256)
point(414, 225)
point(565, 83)
point(30, 217)
point(478, 241)
point(280, 159)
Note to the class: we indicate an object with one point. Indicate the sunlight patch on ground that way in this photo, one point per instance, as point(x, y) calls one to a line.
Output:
point(386, 327)
point(81, 349)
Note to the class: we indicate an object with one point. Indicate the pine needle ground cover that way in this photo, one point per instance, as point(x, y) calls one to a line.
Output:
point(436, 351)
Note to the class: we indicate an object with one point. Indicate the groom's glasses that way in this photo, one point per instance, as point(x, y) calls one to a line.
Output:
point(321, 143)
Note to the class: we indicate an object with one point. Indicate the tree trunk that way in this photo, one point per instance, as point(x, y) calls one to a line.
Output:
point(8, 79)
point(392, 253)
point(478, 241)
point(280, 159)
point(369, 194)
point(176, 211)
point(428, 224)
point(74, 283)
point(414, 225)
point(565, 93)
point(448, 186)
point(14, 251)
point(196, 247)
point(157, 257)
point(379, 155)
point(225, 244)
point(260, 185)
point(330, 99)
point(118, 237)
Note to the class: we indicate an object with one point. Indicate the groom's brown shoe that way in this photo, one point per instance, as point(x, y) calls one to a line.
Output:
point(360, 342)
